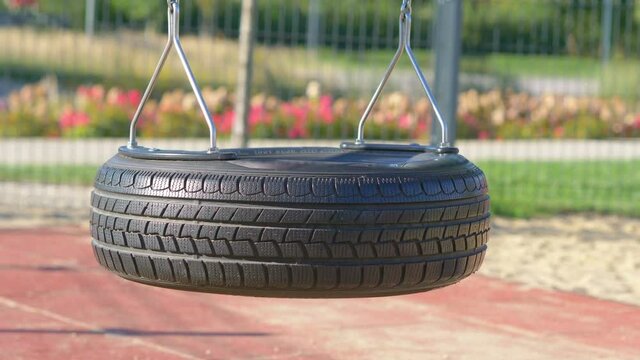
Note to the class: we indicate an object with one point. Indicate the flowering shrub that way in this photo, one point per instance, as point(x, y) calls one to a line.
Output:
point(31, 111)
point(508, 115)
point(97, 113)
point(19, 4)
point(94, 111)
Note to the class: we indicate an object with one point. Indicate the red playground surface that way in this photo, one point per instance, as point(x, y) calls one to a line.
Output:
point(57, 303)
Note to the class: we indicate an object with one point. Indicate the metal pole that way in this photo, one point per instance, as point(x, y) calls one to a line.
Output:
point(607, 24)
point(245, 73)
point(90, 18)
point(447, 48)
point(313, 26)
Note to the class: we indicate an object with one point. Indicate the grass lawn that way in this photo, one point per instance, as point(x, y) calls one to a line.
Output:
point(525, 189)
point(127, 59)
point(49, 174)
point(518, 189)
point(504, 65)
point(532, 65)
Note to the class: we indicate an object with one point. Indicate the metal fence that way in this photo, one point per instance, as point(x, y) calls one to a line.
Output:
point(548, 89)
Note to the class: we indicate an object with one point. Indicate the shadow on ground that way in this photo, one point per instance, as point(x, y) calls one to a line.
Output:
point(130, 332)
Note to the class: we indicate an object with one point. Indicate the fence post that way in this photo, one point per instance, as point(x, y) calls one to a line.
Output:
point(447, 47)
point(90, 18)
point(607, 21)
point(313, 26)
point(241, 129)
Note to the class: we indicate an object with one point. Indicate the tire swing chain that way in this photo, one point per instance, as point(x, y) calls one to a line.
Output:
point(132, 148)
point(403, 46)
point(213, 153)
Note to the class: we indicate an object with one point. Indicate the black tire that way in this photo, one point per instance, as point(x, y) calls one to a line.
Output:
point(293, 222)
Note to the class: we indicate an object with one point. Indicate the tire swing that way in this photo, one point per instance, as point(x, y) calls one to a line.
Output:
point(360, 220)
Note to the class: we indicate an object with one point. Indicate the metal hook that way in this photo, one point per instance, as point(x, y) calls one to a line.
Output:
point(404, 45)
point(173, 14)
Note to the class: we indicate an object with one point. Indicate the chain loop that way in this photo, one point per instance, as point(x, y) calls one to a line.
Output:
point(406, 9)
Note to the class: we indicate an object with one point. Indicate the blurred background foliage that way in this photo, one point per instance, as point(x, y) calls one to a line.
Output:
point(541, 27)
point(530, 70)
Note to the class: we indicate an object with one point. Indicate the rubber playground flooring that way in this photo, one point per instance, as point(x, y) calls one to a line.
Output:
point(56, 303)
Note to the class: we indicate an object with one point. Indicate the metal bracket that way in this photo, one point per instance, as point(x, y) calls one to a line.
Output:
point(400, 147)
point(213, 153)
point(132, 149)
point(403, 46)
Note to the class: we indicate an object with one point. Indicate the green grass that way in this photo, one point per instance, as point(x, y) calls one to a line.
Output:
point(495, 64)
point(621, 77)
point(49, 174)
point(526, 189)
point(120, 59)
point(501, 65)
point(532, 65)
point(518, 189)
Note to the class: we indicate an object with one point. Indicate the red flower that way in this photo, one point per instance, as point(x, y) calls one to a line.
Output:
point(259, 115)
point(224, 122)
point(94, 93)
point(484, 135)
point(83, 91)
point(325, 109)
point(298, 132)
point(134, 97)
point(15, 4)
point(558, 132)
point(470, 120)
point(420, 130)
point(71, 118)
point(299, 113)
point(125, 99)
point(404, 122)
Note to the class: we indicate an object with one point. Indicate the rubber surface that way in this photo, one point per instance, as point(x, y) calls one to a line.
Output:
point(309, 222)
